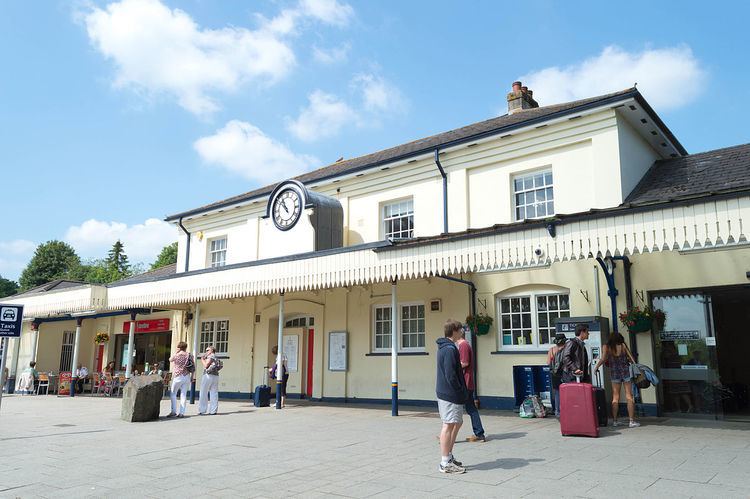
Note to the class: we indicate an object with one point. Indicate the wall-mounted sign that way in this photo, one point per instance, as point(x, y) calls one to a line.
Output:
point(337, 351)
point(148, 326)
point(291, 350)
point(710, 341)
point(679, 335)
point(10, 321)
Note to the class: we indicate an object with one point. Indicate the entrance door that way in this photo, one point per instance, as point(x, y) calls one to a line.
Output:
point(686, 356)
point(310, 357)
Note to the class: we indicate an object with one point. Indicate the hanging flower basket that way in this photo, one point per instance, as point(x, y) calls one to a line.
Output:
point(480, 324)
point(639, 320)
point(101, 338)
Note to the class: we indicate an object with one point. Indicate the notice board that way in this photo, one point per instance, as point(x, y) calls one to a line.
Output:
point(291, 350)
point(337, 350)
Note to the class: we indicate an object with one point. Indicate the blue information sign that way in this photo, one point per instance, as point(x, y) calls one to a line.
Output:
point(10, 320)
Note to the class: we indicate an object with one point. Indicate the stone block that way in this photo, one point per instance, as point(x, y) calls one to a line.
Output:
point(141, 398)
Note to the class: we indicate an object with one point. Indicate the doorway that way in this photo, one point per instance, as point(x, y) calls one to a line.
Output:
point(299, 344)
point(700, 351)
point(152, 351)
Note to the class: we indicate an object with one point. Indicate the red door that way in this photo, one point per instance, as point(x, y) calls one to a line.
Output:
point(310, 356)
point(99, 358)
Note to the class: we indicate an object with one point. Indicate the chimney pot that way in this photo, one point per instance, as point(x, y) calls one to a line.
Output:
point(525, 89)
point(516, 86)
point(520, 98)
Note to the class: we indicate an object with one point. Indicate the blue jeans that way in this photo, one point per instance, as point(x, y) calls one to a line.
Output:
point(556, 400)
point(473, 412)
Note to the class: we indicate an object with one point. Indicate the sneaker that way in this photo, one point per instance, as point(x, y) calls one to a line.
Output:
point(451, 468)
point(474, 438)
point(171, 415)
point(615, 423)
point(180, 415)
point(457, 463)
point(634, 424)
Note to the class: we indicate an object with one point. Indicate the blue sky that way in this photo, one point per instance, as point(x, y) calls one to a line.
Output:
point(115, 114)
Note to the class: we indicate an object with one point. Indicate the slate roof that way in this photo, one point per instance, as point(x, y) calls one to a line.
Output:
point(55, 285)
point(153, 275)
point(710, 172)
point(475, 131)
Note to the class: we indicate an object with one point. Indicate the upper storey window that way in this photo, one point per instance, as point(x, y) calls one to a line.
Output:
point(398, 219)
point(218, 252)
point(533, 195)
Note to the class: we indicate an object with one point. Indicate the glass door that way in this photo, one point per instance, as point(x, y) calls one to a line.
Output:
point(686, 357)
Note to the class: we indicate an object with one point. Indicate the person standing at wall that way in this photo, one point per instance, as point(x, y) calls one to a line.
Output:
point(209, 383)
point(181, 374)
point(554, 360)
point(576, 358)
point(466, 356)
point(285, 376)
point(450, 388)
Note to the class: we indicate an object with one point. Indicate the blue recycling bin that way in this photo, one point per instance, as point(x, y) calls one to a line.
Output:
point(543, 384)
point(524, 383)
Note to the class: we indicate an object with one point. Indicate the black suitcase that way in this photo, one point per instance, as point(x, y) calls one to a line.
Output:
point(262, 394)
point(600, 400)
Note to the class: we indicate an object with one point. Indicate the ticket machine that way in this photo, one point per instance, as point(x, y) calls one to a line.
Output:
point(598, 337)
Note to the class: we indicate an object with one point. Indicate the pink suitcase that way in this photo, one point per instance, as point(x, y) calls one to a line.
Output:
point(578, 410)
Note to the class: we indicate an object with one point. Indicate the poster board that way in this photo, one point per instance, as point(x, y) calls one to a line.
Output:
point(63, 383)
point(291, 350)
point(338, 351)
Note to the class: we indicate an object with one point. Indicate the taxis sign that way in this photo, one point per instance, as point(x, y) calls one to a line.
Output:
point(10, 320)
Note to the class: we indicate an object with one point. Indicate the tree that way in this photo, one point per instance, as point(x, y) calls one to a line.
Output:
point(167, 256)
point(117, 262)
point(52, 260)
point(7, 287)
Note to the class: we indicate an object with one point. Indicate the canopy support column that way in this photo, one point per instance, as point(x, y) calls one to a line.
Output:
point(279, 364)
point(131, 346)
point(394, 350)
point(74, 362)
point(196, 333)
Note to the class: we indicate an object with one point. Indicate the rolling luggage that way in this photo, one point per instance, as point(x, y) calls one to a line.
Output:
point(262, 394)
point(600, 397)
point(578, 415)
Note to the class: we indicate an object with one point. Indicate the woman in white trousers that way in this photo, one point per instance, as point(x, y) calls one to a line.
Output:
point(182, 372)
point(209, 396)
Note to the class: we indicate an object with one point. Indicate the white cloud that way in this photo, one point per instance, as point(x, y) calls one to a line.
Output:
point(668, 77)
point(243, 148)
point(323, 117)
point(158, 50)
point(378, 95)
point(14, 255)
point(331, 55)
point(143, 242)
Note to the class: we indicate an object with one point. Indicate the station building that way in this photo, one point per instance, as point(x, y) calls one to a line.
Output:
point(583, 209)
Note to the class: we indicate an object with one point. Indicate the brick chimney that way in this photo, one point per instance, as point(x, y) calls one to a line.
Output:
point(520, 98)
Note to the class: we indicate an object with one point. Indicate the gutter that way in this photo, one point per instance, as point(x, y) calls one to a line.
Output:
point(445, 190)
point(187, 248)
point(473, 311)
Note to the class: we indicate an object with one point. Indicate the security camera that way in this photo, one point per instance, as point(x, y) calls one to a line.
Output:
point(538, 251)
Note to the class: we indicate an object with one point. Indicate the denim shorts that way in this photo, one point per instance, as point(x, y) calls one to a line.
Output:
point(622, 380)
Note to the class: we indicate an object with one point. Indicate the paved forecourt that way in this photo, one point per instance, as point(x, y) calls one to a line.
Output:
point(62, 447)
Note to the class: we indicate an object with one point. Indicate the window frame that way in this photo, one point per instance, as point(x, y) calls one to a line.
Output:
point(214, 334)
point(210, 252)
point(514, 193)
point(532, 294)
point(384, 220)
point(400, 348)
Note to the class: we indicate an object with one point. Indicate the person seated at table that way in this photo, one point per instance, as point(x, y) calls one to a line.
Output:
point(82, 374)
point(27, 379)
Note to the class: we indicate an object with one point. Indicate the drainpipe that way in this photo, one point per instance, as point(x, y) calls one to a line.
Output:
point(187, 247)
point(473, 311)
point(445, 190)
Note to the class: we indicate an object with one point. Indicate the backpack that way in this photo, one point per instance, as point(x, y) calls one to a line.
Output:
point(215, 367)
point(556, 364)
point(190, 364)
point(539, 410)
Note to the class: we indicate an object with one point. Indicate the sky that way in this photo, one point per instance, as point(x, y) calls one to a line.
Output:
point(116, 114)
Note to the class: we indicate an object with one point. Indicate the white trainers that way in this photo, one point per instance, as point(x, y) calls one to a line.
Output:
point(615, 423)
point(451, 468)
point(634, 424)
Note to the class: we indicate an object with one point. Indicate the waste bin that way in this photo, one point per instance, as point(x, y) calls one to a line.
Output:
point(543, 384)
point(524, 383)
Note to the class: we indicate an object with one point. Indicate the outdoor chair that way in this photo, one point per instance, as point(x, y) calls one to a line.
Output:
point(96, 384)
point(43, 383)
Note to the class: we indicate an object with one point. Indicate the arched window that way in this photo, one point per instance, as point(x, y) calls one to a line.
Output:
point(526, 316)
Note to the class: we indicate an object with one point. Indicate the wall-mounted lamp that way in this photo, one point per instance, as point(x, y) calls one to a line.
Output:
point(552, 229)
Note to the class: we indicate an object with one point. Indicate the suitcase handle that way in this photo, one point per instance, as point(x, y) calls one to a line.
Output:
point(578, 378)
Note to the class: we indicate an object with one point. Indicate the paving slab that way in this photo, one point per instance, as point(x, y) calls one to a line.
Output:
point(350, 450)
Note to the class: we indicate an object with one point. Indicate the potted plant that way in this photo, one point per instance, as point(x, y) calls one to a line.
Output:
point(101, 338)
point(480, 324)
point(639, 320)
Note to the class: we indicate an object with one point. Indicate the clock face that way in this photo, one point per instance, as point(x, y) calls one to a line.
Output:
point(287, 208)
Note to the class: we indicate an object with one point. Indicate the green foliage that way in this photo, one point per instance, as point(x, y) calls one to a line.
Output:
point(167, 256)
point(117, 261)
point(52, 260)
point(7, 287)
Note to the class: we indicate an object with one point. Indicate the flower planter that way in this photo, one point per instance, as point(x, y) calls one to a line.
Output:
point(482, 329)
point(642, 325)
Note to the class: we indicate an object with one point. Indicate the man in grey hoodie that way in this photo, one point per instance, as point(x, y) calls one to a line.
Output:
point(452, 394)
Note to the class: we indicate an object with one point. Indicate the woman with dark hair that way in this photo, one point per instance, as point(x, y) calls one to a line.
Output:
point(618, 358)
point(285, 372)
point(556, 377)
